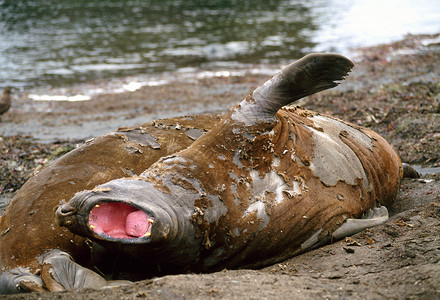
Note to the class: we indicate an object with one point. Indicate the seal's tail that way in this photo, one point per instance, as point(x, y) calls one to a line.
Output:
point(311, 74)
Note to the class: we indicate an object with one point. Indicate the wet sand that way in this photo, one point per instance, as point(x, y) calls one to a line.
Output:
point(394, 89)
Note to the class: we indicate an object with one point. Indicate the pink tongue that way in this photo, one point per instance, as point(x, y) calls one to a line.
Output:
point(137, 224)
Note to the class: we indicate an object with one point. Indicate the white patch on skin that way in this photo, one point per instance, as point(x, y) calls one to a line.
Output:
point(236, 159)
point(235, 193)
point(335, 126)
point(234, 189)
point(296, 187)
point(292, 136)
point(175, 159)
point(216, 210)
point(221, 157)
point(260, 208)
point(276, 162)
point(274, 183)
point(245, 134)
point(293, 156)
point(249, 136)
point(333, 160)
point(233, 176)
point(297, 190)
point(268, 133)
point(311, 241)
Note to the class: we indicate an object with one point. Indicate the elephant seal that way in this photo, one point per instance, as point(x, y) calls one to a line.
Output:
point(263, 185)
point(28, 228)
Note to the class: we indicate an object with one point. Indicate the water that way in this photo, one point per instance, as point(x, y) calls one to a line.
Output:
point(426, 170)
point(58, 43)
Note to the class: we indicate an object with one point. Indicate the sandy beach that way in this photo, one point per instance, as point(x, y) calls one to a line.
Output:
point(394, 89)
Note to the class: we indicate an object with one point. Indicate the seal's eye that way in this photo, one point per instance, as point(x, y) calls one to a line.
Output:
point(120, 220)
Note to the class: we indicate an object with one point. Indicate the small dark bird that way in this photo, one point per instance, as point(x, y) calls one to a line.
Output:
point(5, 101)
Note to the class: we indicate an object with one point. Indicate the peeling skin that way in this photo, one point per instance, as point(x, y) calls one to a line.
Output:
point(97, 161)
point(231, 196)
point(260, 208)
point(134, 137)
point(194, 133)
point(278, 204)
point(337, 126)
point(276, 160)
point(236, 159)
point(331, 153)
point(175, 160)
point(267, 192)
point(271, 182)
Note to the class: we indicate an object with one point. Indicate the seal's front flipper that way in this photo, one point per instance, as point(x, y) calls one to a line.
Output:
point(59, 272)
point(371, 218)
point(20, 280)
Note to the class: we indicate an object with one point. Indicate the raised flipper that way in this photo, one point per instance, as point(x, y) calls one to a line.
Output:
point(59, 272)
point(311, 74)
point(371, 218)
point(20, 280)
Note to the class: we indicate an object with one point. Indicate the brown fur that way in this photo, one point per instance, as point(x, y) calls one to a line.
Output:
point(211, 160)
point(28, 229)
point(265, 183)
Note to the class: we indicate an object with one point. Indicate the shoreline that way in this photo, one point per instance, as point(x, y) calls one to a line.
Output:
point(227, 85)
point(394, 90)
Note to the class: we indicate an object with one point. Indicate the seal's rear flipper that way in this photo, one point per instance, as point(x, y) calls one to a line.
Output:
point(309, 75)
point(373, 217)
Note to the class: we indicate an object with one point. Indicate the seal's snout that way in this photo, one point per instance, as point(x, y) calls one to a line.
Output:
point(64, 215)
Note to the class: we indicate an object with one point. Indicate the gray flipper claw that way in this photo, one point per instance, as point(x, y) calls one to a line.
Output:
point(373, 217)
point(59, 272)
point(20, 280)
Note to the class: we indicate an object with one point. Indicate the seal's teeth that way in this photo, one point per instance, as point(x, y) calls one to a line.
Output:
point(150, 220)
point(92, 226)
point(97, 205)
point(147, 234)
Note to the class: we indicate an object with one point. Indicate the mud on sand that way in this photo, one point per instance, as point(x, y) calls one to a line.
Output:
point(394, 90)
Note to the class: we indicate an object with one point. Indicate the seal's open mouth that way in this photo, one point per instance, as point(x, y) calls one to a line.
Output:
point(120, 220)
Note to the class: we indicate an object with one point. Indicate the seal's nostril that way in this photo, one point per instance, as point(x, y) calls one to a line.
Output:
point(66, 210)
point(63, 213)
